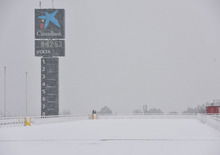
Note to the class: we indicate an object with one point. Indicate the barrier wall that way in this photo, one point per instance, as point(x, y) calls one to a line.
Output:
point(211, 120)
point(36, 120)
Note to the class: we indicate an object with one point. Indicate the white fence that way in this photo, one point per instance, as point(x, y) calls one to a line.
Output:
point(148, 116)
point(11, 122)
point(211, 120)
point(35, 120)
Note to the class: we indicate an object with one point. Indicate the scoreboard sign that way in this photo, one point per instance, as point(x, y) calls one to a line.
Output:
point(49, 44)
point(49, 86)
point(49, 23)
point(49, 48)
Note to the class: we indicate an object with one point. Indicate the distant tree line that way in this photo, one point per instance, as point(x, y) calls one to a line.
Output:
point(105, 111)
point(145, 110)
point(189, 110)
point(195, 110)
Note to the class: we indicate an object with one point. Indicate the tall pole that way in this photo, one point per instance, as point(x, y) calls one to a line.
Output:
point(53, 4)
point(5, 91)
point(26, 92)
point(40, 4)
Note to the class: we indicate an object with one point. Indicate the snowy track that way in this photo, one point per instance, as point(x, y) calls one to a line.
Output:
point(152, 136)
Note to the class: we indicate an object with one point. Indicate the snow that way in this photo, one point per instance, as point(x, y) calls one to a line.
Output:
point(112, 137)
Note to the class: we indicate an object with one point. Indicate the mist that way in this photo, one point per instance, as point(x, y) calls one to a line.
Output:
point(120, 53)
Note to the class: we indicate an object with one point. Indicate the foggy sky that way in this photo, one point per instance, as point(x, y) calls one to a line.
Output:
point(119, 53)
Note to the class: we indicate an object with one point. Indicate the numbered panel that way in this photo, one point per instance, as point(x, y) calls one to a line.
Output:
point(49, 86)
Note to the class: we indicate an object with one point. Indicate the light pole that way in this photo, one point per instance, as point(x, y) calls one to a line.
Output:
point(26, 92)
point(5, 91)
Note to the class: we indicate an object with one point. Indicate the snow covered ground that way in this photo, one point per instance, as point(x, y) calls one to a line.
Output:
point(152, 136)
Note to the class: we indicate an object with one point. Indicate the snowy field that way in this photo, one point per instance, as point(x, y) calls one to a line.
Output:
point(153, 136)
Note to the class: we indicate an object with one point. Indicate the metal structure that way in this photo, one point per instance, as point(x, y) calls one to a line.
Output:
point(49, 44)
point(26, 93)
point(5, 71)
point(49, 86)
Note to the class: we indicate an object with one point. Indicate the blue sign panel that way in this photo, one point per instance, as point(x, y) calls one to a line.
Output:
point(49, 23)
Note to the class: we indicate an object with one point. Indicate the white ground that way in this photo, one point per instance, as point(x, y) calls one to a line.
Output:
point(112, 137)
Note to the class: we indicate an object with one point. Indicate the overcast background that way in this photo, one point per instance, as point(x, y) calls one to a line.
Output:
point(119, 53)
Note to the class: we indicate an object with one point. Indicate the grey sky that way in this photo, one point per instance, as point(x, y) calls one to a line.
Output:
point(119, 53)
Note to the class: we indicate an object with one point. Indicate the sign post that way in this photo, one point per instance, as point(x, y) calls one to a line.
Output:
point(49, 86)
point(49, 44)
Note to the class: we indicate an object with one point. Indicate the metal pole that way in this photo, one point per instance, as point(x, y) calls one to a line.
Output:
point(26, 92)
point(5, 91)
point(40, 4)
point(53, 4)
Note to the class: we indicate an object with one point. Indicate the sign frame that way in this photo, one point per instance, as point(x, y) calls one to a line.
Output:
point(49, 48)
point(49, 86)
point(49, 23)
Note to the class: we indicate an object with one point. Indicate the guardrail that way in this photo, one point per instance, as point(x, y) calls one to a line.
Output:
point(9, 122)
point(148, 116)
point(212, 120)
point(20, 121)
